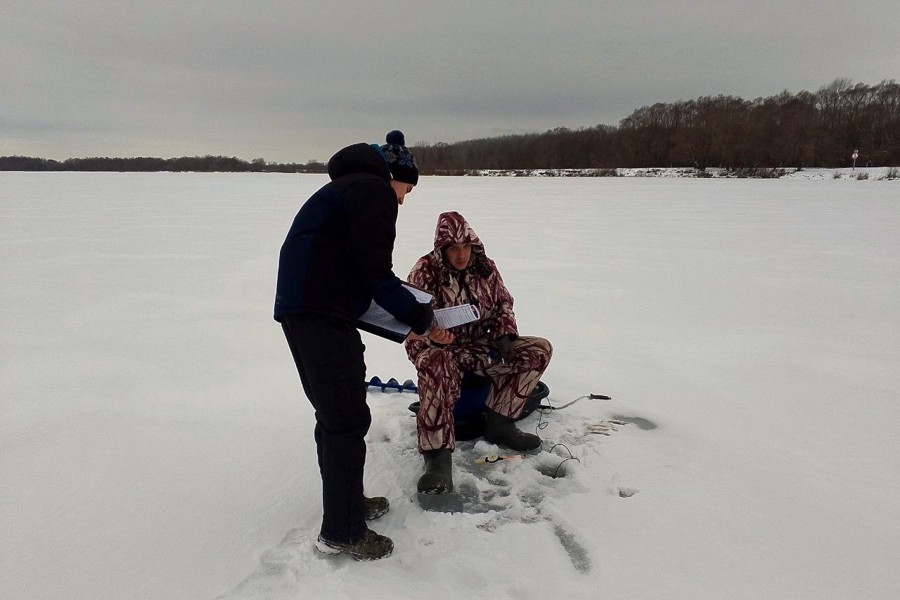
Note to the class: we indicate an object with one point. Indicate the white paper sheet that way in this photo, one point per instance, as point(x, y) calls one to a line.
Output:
point(455, 315)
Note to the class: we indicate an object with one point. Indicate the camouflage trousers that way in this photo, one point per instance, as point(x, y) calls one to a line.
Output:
point(441, 370)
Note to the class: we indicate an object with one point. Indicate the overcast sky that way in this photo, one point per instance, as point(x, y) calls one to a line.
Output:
point(295, 80)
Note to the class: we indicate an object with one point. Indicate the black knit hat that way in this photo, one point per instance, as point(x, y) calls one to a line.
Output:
point(399, 159)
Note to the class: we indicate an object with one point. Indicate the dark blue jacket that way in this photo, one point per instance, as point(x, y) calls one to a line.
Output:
point(337, 256)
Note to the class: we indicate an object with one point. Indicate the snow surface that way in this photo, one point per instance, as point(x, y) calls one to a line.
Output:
point(155, 443)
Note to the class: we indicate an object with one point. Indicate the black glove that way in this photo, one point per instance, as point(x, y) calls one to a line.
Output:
point(420, 318)
point(503, 347)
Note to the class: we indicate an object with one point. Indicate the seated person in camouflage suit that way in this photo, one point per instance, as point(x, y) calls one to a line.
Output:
point(456, 272)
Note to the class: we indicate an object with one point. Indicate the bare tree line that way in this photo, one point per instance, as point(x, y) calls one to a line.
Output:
point(199, 164)
point(806, 129)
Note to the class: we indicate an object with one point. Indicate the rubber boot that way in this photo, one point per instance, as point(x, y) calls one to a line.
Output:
point(502, 431)
point(438, 476)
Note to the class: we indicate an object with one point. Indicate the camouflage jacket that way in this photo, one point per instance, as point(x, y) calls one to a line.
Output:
point(479, 284)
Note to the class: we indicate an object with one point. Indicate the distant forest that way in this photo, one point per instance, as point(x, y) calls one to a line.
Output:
point(821, 129)
point(201, 164)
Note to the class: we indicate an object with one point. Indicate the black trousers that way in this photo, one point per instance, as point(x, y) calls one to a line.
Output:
point(329, 357)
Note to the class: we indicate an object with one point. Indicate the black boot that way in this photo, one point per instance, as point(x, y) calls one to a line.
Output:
point(438, 476)
point(502, 431)
point(370, 546)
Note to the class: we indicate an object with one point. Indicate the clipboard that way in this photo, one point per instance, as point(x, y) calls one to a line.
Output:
point(380, 322)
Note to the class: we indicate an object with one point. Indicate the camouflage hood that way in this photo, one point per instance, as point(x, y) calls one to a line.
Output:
point(452, 228)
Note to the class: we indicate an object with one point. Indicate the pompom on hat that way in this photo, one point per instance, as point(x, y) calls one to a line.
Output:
point(400, 160)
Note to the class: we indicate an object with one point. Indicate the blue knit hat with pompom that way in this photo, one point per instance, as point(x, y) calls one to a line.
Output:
point(399, 159)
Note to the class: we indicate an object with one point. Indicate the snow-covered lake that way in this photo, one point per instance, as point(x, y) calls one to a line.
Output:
point(155, 443)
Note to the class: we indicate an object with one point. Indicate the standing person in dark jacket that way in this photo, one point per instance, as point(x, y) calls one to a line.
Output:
point(336, 259)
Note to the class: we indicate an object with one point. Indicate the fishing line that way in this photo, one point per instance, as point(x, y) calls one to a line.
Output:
point(565, 460)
